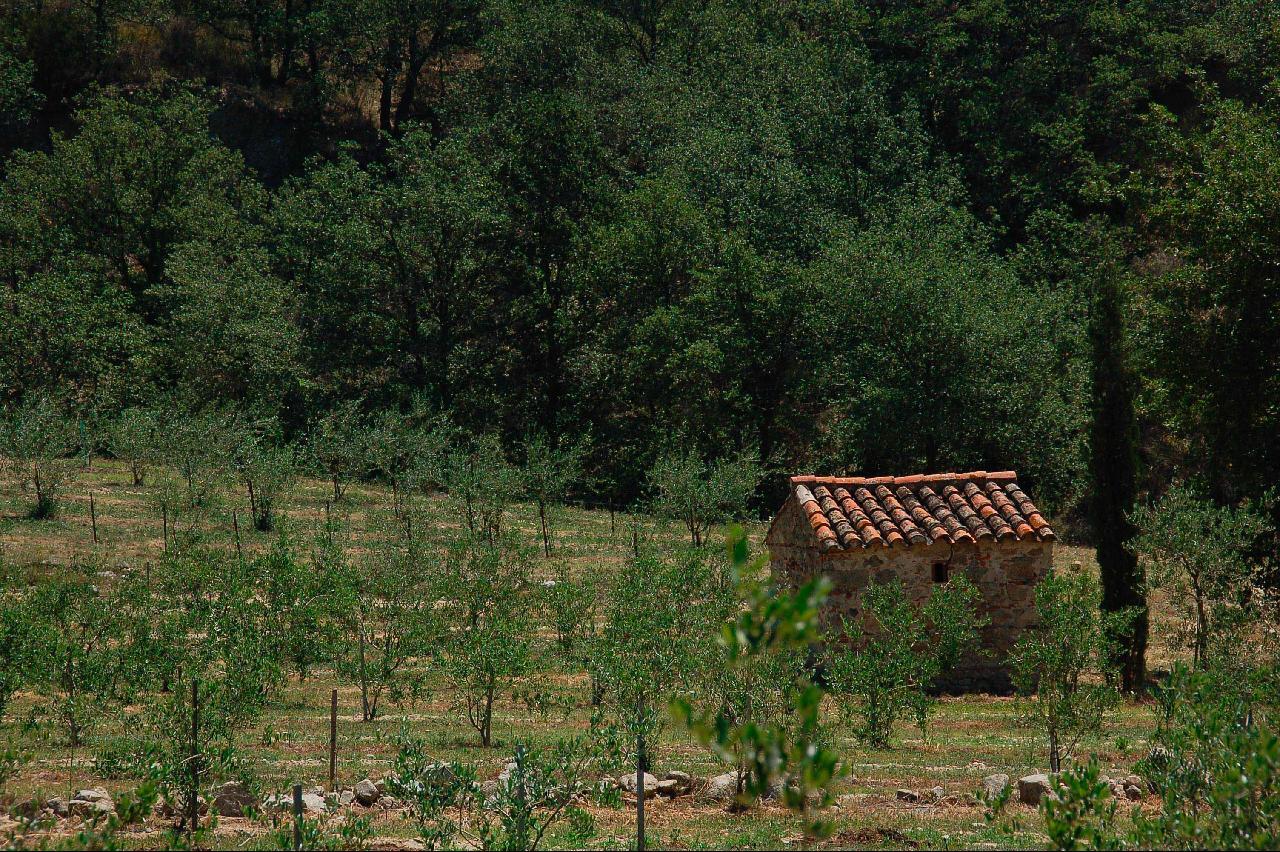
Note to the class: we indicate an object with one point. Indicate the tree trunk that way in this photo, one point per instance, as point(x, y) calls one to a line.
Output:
point(364, 682)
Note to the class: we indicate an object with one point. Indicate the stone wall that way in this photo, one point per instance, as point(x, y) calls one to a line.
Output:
point(1006, 572)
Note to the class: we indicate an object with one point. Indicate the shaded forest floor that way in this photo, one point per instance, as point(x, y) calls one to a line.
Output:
point(969, 737)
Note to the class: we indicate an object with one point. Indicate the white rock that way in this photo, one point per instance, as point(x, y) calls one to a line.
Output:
point(313, 803)
point(628, 784)
point(994, 785)
point(722, 788)
point(1033, 788)
point(366, 792)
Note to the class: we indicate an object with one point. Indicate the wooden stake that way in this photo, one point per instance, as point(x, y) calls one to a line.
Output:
point(193, 809)
point(333, 741)
point(640, 768)
point(93, 517)
point(297, 816)
point(235, 523)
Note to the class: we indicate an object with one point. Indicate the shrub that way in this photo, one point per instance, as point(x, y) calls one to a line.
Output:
point(340, 444)
point(133, 436)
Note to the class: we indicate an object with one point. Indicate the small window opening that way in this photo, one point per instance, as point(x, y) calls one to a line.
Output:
point(939, 572)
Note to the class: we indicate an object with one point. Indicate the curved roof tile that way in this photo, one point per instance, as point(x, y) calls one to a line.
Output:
point(850, 513)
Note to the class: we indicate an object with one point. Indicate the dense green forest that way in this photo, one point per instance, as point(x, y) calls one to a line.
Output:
point(835, 235)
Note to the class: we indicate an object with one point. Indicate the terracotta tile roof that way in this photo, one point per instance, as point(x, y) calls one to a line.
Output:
point(848, 513)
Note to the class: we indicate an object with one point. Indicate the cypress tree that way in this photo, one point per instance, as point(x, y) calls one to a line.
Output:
point(1114, 468)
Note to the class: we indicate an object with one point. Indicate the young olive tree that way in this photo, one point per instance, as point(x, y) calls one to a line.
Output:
point(133, 437)
point(299, 596)
point(18, 626)
point(701, 494)
point(340, 445)
point(76, 640)
point(1198, 553)
point(491, 625)
point(889, 671)
point(267, 467)
point(786, 747)
point(407, 452)
point(1052, 665)
point(653, 644)
point(387, 603)
point(550, 469)
point(37, 438)
point(198, 446)
point(481, 484)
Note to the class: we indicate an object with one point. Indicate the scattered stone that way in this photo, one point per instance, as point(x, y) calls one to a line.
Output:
point(389, 803)
point(722, 788)
point(668, 788)
point(628, 784)
point(277, 803)
point(233, 799)
point(1033, 788)
point(366, 792)
point(59, 806)
point(1135, 781)
point(346, 798)
point(910, 796)
point(935, 795)
point(683, 779)
point(27, 809)
point(313, 803)
point(1132, 792)
point(994, 785)
point(93, 802)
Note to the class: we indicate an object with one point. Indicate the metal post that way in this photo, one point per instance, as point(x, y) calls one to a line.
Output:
point(93, 517)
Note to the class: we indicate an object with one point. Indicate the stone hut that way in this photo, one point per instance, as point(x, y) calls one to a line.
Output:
point(922, 530)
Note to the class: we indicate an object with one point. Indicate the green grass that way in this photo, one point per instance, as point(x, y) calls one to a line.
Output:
point(969, 737)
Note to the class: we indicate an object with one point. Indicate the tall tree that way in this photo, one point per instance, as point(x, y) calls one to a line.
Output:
point(1113, 439)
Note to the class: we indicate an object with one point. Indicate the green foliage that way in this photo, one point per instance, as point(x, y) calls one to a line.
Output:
point(538, 790)
point(74, 637)
point(702, 494)
point(1083, 815)
point(134, 436)
point(1214, 763)
point(490, 642)
point(339, 444)
point(36, 439)
point(1054, 666)
point(550, 470)
point(385, 605)
point(1200, 555)
point(267, 467)
point(774, 748)
point(888, 671)
point(653, 645)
